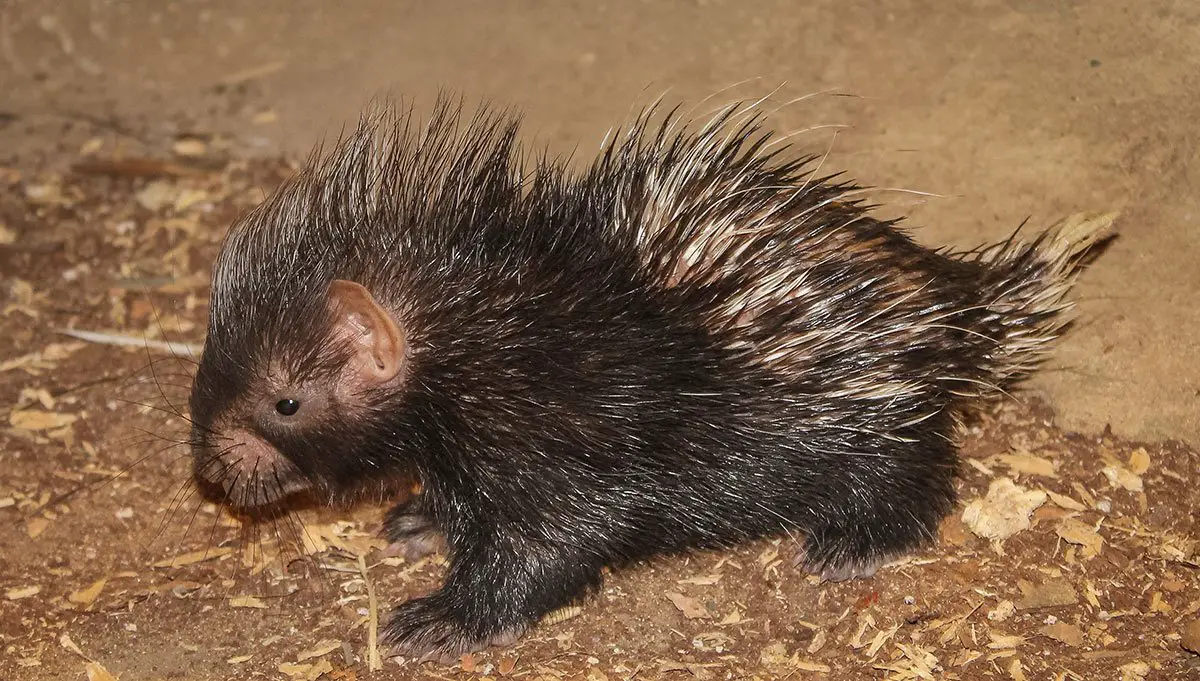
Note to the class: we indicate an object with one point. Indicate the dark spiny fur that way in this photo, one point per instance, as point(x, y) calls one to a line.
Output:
point(694, 342)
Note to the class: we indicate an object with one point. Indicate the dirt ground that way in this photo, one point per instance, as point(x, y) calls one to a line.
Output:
point(132, 133)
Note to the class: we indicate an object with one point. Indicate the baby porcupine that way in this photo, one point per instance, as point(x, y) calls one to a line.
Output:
point(692, 342)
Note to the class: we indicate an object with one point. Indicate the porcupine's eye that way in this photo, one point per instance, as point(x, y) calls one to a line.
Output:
point(287, 406)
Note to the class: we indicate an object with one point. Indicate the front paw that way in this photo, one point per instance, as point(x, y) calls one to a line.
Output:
point(411, 534)
point(417, 546)
point(425, 629)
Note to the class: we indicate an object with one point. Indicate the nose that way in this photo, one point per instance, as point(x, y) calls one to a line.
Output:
point(249, 470)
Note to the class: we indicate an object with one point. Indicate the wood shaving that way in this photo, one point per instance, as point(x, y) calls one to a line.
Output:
point(321, 649)
point(1065, 502)
point(1190, 637)
point(1081, 534)
point(18, 593)
point(87, 596)
point(706, 580)
point(191, 350)
point(1005, 510)
point(39, 419)
point(692, 608)
point(1064, 633)
point(374, 662)
point(1024, 463)
point(1120, 477)
point(1049, 594)
point(96, 672)
point(1139, 461)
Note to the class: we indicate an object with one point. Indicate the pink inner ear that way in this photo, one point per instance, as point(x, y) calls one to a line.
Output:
point(378, 342)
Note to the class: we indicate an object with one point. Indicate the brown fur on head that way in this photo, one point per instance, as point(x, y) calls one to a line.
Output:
point(240, 451)
point(329, 292)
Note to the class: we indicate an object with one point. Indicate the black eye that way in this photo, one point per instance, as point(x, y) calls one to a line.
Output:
point(287, 407)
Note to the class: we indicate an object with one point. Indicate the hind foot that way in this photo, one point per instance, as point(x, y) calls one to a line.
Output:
point(831, 571)
point(424, 629)
point(856, 543)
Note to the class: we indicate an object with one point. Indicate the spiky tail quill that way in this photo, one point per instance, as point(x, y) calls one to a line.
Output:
point(1030, 283)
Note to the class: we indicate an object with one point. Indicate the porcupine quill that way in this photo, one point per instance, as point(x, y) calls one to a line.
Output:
point(692, 342)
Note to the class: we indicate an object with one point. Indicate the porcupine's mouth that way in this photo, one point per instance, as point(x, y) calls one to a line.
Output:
point(244, 471)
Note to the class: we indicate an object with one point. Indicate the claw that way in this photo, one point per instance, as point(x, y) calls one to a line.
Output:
point(843, 572)
point(425, 631)
point(849, 571)
point(417, 546)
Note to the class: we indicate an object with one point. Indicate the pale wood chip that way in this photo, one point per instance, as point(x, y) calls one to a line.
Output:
point(1120, 477)
point(1063, 632)
point(1139, 461)
point(96, 672)
point(1025, 463)
point(692, 608)
point(1004, 511)
point(1081, 534)
point(320, 649)
point(20, 592)
point(86, 597)
point(1049, 594)
point(39, 419)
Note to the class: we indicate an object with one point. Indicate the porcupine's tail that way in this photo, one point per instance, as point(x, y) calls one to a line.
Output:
point(1028, 286)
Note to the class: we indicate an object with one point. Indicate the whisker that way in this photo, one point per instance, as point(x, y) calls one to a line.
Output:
point(177, 503)
point(182, 495)
point(92, 486)
point(187, 530)
point(212, 532)
point(169, 412)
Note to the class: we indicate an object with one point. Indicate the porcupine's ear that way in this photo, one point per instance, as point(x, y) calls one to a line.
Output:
point(376, 340)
